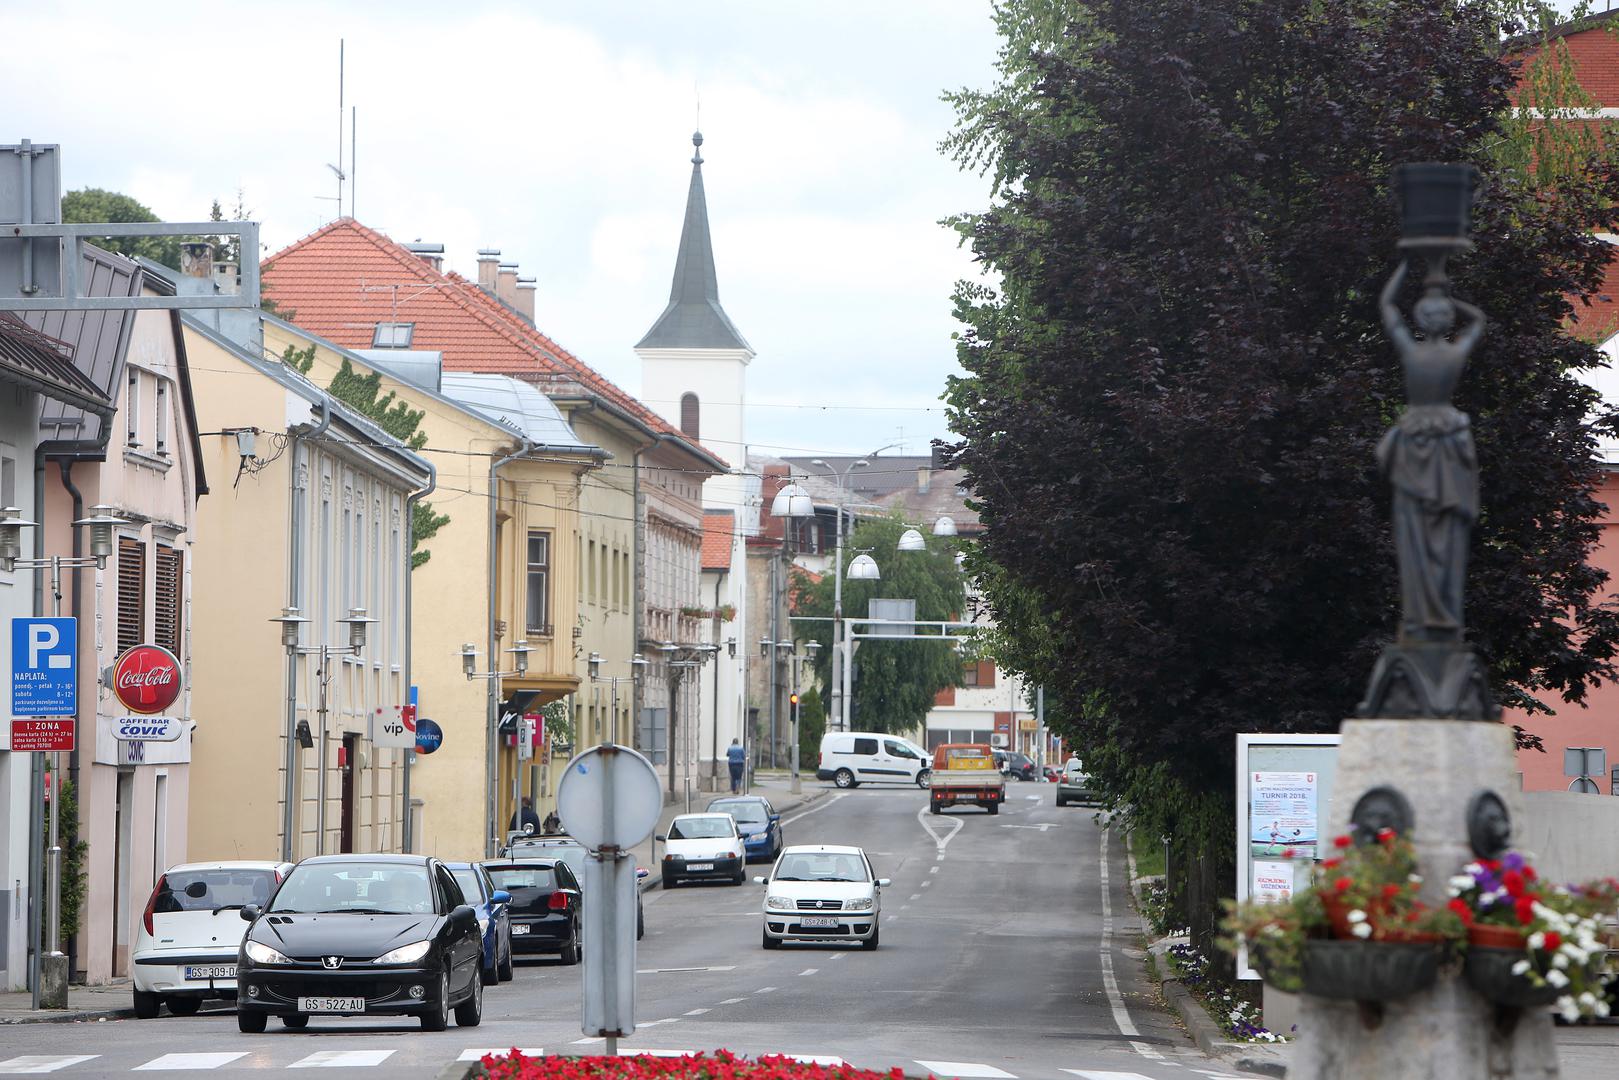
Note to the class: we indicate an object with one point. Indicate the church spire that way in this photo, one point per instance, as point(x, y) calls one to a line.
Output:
point(694, 318)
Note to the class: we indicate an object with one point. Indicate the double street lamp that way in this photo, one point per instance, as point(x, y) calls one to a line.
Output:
point(469, 668)
point(638, 666)
point(774, 649)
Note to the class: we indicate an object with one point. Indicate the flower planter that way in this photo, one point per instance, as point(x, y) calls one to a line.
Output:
point(1374, 971)
point(1496, 937)
point(1489, 971)
point(1275, 967)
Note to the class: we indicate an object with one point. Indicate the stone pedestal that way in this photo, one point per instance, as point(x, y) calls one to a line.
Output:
point(53, 981)
point(1447, 1032)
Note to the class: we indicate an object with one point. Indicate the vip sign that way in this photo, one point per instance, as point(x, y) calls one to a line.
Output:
point(394, 727)
point(146, 679)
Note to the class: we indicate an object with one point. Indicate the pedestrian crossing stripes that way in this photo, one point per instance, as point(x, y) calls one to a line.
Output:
point(474, 1055)
point(42, 1063)
point(182, 1062)
point(341, 1059)
point(1093, 1074)
point(964, 1069)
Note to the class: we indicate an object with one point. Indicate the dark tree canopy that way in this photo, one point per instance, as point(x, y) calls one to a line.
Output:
point(1176, 383)
point(97, 205)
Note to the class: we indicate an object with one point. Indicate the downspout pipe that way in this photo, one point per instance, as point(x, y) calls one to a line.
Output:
point(406, 839)
point(492, 718)
point(296, 527)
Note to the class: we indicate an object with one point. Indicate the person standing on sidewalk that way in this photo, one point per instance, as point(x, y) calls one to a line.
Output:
point(736, 757)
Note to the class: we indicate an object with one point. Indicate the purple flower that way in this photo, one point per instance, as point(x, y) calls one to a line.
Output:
point(1512, 861)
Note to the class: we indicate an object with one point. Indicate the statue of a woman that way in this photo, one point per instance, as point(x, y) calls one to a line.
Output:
point(1429, 458)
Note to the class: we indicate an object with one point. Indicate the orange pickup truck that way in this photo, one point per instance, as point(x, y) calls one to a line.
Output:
point(966, 773)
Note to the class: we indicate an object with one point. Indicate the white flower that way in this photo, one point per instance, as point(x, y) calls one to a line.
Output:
point(1557, 978)
point(1560, 962)
point(1575, 953)
point(1588, 1000)
point(1521, 967)
point(1537, 940)
point(1472, 868)
point(1362, 930)
point(1460, 884)
point(1415, 879)
point(1568, 1009)
point(1357, 916)
point(1600, 1008)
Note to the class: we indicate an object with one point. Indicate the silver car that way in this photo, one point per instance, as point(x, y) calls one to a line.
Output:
point(1074, 786)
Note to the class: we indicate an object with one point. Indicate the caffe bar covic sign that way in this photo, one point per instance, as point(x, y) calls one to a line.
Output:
point(146, 680)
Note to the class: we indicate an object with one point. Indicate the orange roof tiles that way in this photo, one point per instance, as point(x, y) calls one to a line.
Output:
point(717, 529)
point(343, 279)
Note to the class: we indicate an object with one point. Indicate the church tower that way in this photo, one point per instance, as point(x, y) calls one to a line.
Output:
point(694, 361)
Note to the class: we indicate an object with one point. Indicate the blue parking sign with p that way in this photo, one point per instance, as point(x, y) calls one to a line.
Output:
point(44, 667)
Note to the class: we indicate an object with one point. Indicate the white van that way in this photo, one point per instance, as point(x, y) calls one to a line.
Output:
point(852, 758)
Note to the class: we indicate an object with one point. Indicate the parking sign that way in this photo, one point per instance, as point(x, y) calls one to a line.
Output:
point(44, 667)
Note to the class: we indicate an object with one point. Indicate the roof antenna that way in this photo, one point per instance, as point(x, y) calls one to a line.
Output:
point(338, 168)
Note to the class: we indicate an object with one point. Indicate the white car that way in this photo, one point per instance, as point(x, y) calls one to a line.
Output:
point(703, 846)
point(822, 893)
point(852, 758)
point(191, 930)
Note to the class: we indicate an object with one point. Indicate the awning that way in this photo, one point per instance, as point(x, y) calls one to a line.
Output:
point(44, 364)
point(514, 708)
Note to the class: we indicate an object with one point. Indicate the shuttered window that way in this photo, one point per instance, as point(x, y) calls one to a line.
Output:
point(168, 598)
point(131, 592)
point(539, 582)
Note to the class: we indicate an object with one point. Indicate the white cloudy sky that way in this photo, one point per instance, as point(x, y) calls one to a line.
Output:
point(559, 133)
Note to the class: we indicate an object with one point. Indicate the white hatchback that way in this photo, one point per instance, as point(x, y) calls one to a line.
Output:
point(189, 934)
point(703, 846)
point(822, 893)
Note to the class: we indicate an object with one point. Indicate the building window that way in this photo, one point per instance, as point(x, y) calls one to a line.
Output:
point(132, 408)
point(160, 433)
point(980, 673)
point(591, 570)
point(131, 592)
point(689, 415)
point(393, 335)
point(539, 582)
point(168, 598)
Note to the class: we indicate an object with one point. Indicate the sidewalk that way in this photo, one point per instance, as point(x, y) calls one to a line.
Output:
point(115, 1001)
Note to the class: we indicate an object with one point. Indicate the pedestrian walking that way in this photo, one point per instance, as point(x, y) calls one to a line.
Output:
point(737, 758)
point(525, 819)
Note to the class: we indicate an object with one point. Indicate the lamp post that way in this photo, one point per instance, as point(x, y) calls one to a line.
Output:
point(681, 657)
point(291, 626)
point(469, 668)
point(840, 655)
point(799, 659)
point(51, 966)
point(638, 665)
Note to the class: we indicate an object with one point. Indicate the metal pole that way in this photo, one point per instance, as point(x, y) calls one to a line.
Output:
point(53, 866)
point(848, 670)
point(797, 787)
point(288, 784)
point(775, 633)
point(320, 774)
point(838, 713)
point(36, 876)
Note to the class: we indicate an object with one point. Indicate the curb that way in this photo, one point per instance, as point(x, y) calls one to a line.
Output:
point(655, 879)
point(69, 1016)
point(1207, 1034)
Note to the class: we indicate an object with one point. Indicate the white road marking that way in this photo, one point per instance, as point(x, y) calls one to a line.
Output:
point(838, 956)
point(655, 1023)
point(696, 1012)
point(341, 1059)
point(816, 808)
point(951, 825)
point(916, 896)
point(177, 1062)
point(890, 918)
point(587, 1042)
point(733, 1001)
point(925, 884)
point(816, 1059)
point(625, 1052)
point(808, 971)
point(1043, 826)
point(1095, 1074)
point(764, 990)
point(1032, 798)
point(965, 1068)
point(1212, 1075)
point(42, 1063)
point(1121, 1015)
point(1146, 1051)
point(933, 869)
point(666, 971)
point(504, 1051)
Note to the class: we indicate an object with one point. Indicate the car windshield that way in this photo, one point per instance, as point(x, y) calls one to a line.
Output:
point(745, 813)
point(1074, 766)
point(471, 887)
point(821, 866)
point(211, 890)
point(361, 888)
point(711, 827)
point(570, 851)
point(513, 878)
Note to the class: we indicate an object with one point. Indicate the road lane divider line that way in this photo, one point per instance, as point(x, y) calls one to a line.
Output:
point(43, 1063)
point(655, 1023)
point(951, 825)
point(182, 1062)
point(933, 869)
point(665, 971)
point(733, 1001)
point(818, 807)
point(1121, 1015)
point(808, 971)
point(838, 956)
point(916, 896)
point(696, 1012)
point(765, 990)
point(925, 884)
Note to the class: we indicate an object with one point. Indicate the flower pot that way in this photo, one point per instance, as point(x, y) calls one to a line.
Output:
point(1368, 970)
point(1497, 937)
point(1489, 971)
point(1278, 969)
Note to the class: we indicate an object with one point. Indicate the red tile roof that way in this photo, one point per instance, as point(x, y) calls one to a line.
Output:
point(717, 530)
point(342, 279)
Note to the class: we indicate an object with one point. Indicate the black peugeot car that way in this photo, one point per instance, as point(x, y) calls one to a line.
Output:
point(361, 935)
point(544, 908)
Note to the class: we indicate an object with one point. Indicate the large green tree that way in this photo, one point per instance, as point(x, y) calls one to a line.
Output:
point(894, 681)
point(1175, 378)
point(89, 205)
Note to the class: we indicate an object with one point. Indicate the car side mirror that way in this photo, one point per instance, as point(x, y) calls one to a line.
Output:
point(462, 915)
point(642, 873)
point(501, 896)
point(661, 837)
point(774, 818)
point(250, 912)
point(883, 883)
point(760, 880)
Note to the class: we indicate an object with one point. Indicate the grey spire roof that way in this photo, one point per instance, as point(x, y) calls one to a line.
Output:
point(694, 318)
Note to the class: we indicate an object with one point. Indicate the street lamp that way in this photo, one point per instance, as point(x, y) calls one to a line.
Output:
point(680, 657)
point(638, 664)
point(12, 523)
point(469, 668)
point(911, 540)
point(945, 526)
point(864, 568)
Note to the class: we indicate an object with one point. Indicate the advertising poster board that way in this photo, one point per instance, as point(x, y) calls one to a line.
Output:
point(1284, 808)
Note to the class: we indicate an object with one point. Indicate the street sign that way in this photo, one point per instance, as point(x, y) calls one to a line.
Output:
point(525, 738)
point(147, 728)
point(429, 736)
point(146, 679)
point(609, 796)
point(393, 727)
point(42, 735)
point(44, 667)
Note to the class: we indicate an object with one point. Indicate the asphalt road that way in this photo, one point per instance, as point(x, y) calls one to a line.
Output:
point(997, 960)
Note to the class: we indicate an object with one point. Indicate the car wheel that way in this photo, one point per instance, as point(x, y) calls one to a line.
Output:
point(437, 1018)
point(843, 778)
point(1062, 802)
point(296, 1021)
point(924, 779)
point(994, 808)
point(870, 944)
point(147, 1005)
point(184, 1006)
point(570, 955)
point(770, 942)
point(935, 807)
point(670, 881)
point(252, 1023)
point(489, 976)
point(640, 922)
point(504, 968)
point(470, 1012)
point(741, 876)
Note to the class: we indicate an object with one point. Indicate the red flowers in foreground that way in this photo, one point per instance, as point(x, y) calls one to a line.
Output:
point(720, 1065)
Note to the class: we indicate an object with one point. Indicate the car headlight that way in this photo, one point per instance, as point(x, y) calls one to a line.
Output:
point(263, 954)
point(405, 954)
point(779, 903)
point(863, 904)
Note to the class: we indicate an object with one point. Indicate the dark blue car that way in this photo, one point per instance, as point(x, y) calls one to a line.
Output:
point(494, 919)
point(757, 821)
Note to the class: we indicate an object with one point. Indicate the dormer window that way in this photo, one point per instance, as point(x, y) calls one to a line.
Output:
point(393, 335)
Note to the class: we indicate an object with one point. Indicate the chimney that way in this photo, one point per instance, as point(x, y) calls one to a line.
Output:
point(525, 297)
point(228, 278)
point(197, 259)
point(506, 283)
point(924, 479)
point(431, 254)
point(488, 260)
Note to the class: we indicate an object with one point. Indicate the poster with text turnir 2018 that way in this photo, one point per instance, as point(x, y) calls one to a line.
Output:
point(1282, 815)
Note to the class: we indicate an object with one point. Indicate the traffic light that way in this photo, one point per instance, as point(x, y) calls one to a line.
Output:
point(793, 699)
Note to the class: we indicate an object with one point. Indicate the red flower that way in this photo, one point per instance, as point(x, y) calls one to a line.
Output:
point(1341, 842)
point(1524, 908)
point(1465, 913)
point(1343, 884)
point(1513, 881)
point(1553, 940)
point(1529, 872)
point(1331, 864)
point(1390, 891)
point(1386, 835)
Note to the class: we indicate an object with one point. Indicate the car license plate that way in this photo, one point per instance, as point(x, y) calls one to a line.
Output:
point(700, 866)
point(210, 971)
point(519, 929)
point(331, 1004)
point(818, 921)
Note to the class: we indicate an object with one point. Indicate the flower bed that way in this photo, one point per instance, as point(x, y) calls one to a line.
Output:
point(1237, 1018)
point(719, 1065)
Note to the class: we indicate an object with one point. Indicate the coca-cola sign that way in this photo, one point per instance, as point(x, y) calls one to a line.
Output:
point(146, 679)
